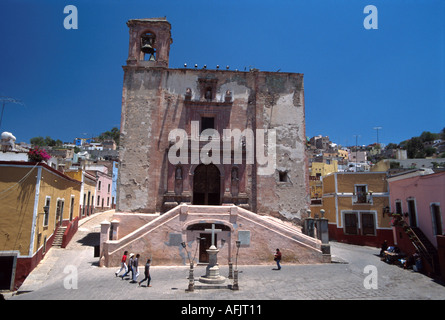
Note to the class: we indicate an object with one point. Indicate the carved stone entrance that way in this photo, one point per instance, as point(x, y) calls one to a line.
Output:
point(206, 185)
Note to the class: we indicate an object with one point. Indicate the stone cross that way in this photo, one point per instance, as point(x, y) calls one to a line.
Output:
point(213, 230)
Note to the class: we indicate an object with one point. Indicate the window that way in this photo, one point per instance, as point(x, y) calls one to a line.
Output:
point(361, 193)
point(207, 123)
point(109, 188)
point(437, 220)
point(282, 176)
point(98, 200)
point(360, 223)
point(351, 223)
point(71, 208)
point(83, 205)
point(398, 207)
point(46, 211)
point(99, 185)
point(368, 225)
point(59, 210)
point(412, 212)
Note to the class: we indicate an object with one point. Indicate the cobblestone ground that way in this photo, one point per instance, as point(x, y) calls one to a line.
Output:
point(73, 274)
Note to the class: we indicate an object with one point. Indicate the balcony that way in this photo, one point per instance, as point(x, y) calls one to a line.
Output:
point(362, 198)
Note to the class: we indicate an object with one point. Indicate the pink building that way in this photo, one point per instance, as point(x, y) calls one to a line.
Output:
point(418, 196)
point(103, 198)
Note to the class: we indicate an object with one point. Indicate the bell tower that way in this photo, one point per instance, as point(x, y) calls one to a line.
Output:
point(150, 41)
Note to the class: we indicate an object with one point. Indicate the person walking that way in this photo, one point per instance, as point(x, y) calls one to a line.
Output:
point(147, 274)
point(277, 258)
point(130, 266)
point(123, 264)
point(135, 269)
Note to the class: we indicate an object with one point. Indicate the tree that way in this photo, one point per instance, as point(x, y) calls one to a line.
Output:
point(415, 148)
point(391, 145)
point(50, 142)
point(37, 141)
point(428, 136)
point(114, 134)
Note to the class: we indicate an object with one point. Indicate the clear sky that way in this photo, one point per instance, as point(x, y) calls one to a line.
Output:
point(355, 79)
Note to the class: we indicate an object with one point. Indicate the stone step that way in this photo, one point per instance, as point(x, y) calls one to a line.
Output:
point(58, 238)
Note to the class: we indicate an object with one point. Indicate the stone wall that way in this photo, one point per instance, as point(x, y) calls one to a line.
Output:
point(153, 105)
point(161, 238)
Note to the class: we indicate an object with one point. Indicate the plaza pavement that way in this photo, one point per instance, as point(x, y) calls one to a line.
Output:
point(345, 279)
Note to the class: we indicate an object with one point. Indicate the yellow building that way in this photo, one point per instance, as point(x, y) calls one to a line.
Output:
point(343, 154)
point(356, 205)
point(322, 169)
point(318, 170)
point(36, 202)
point(88, 190)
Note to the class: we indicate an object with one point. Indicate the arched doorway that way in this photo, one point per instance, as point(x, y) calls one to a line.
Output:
point(204, 236)
point(206, 185)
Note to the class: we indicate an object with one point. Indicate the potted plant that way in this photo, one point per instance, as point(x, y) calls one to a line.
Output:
point(396, 219)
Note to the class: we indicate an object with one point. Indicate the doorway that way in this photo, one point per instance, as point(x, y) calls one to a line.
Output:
point(7, 266)
point(204, 243)
point(206, 185)
point(437, 221)
point(412, 214)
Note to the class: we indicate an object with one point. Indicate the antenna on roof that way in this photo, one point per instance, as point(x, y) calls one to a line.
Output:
point(8, 100)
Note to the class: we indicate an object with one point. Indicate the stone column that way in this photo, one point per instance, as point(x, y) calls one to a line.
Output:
point(115, 229)
point(309, 225)
point(323, 235)
point(104, 231)
point(104, 234)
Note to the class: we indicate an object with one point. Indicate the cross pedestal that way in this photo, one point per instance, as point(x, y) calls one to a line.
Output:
point(212, 275)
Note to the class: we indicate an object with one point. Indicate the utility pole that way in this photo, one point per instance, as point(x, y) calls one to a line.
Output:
point(377, 128)
point(9, 100)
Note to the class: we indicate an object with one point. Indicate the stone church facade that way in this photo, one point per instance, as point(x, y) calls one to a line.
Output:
point(202, 147)
point(157, 100)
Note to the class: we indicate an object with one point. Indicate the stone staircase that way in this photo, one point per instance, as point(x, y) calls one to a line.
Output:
point(423, 246)
point(261, 231)
point(58, 238)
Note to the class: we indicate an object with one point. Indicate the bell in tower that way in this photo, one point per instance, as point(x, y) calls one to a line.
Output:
point(150, 41)
point(147, 46)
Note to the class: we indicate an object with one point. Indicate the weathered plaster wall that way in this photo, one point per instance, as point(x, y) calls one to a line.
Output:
point(153, 105)
point(281, 98)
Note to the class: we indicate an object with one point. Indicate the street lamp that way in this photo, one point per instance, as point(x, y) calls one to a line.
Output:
point(191, 286)
point(235, 278)
point(238, 244)
point(184, 245)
